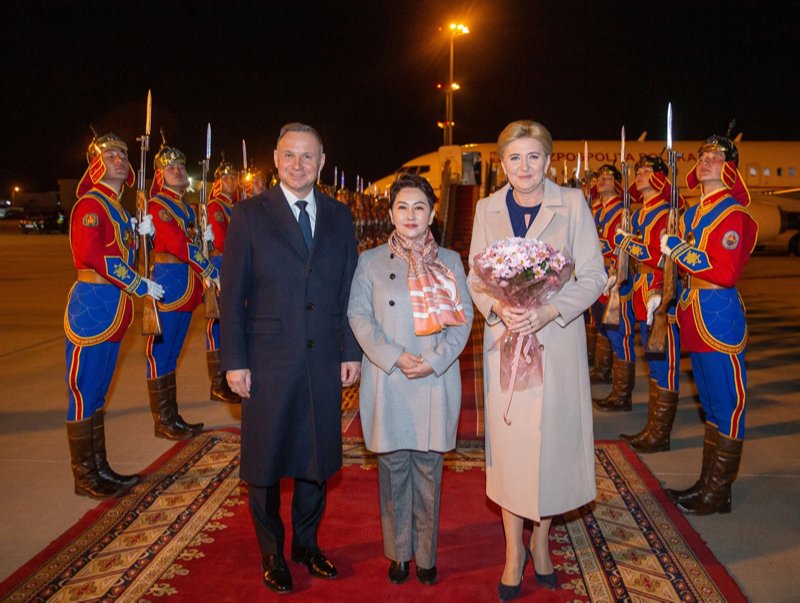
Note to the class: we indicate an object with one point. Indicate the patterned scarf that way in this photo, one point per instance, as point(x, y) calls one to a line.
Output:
point(435, 300)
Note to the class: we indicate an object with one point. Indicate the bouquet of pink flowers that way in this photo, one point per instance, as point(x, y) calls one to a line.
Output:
point(525, 273)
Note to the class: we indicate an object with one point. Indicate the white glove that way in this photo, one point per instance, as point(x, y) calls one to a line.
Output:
point(624, 233)
point(665, 249)
point(612, 280)
point(146, 227)
point(208, 235)
point(212, 282)
point(154, 290)
point(652, 305)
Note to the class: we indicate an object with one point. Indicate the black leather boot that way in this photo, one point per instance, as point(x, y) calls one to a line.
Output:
point(87, 480)
point(220, 391)
point(603, 361)
point(693, 491)
point(164, 408)
point(715, 493)
point(661, 411)
point(122, 482)
point(624, 375)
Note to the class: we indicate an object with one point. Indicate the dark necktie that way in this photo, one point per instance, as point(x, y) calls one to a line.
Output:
point(304, 220)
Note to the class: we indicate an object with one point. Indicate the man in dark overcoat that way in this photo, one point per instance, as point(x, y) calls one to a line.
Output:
point(289, 259)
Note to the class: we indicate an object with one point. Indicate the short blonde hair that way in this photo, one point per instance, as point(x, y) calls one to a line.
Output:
point(524, 128)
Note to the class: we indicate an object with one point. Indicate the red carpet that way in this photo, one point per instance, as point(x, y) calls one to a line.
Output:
point(185, 534)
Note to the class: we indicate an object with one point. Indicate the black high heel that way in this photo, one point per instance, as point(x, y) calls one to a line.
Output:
point(549, 581)
point(507, 592)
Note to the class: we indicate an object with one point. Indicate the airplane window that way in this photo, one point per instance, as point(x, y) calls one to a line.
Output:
point(766, 171)
point(779, 171)
point(753, 171)
point(791, 172)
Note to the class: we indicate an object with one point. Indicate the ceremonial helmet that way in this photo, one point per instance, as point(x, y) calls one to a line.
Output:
point(723, 144)
point(97, 168)
point(610, 170)
point(652, 161)
point(225, 168)
point(103, 143)
point(168, 156)
point(165, 157)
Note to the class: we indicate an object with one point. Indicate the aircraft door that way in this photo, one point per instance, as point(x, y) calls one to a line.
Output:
point(753, 174)
point(453, 153)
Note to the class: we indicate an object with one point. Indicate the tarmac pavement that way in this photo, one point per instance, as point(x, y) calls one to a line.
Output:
point(759, 542)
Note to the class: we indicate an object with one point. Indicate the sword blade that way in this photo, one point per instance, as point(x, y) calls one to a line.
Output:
point(244, 154)
point(208, 142)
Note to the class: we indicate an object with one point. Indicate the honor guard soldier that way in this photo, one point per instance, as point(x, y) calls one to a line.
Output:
point(100, 309)
point(180, 267)
point(607, 212)
point(224, 193)
point(716, 239)
point(638, 303)
point(595, 205)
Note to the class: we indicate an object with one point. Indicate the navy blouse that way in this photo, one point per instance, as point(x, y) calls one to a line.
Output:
point(517, 213)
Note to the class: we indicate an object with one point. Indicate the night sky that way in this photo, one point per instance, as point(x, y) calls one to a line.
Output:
point(364, 73)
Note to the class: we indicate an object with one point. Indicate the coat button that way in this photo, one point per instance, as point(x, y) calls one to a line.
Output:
point(391, 276)
point(310, 305)
point(391, 256)
point(391, 302)
point(310, 343)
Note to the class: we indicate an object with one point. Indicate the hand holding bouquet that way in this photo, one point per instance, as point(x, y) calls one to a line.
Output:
point(525, 273)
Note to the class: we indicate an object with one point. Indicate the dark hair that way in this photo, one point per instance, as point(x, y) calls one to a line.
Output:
point(409, 180)
point(298, 127)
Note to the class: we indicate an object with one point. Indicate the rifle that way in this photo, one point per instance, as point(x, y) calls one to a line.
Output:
point(657, 339)
point(612, 311)
point(209, 293)
point(151, 323)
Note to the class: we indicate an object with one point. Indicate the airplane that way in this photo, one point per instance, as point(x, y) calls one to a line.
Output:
point(771, 170)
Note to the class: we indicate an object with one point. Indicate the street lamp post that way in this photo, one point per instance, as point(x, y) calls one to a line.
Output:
point(14, 192)
point(456, 29)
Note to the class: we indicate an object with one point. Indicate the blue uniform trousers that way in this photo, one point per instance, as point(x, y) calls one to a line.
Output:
point(722, 382)
point(621, 338)
point(163, 350)
point(89, 372)
point(212, 328)
point(663, 367)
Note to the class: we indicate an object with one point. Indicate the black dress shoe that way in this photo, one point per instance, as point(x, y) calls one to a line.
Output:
point(276, 574)
point(426, 576)
point(507, 592)
point(398, 571)
point(316, 562)
point(547, 580)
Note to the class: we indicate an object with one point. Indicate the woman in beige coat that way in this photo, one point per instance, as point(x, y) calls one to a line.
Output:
point(542, 464)
point(411, 313)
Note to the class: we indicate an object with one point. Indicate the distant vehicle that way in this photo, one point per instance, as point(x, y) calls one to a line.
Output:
point(44, 222)
point(10, 213)
point(771, 171)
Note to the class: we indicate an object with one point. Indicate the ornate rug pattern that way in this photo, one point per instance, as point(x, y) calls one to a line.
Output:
point(630, 545)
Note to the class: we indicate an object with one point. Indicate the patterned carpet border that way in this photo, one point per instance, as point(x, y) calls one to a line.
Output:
point(631, 544)
point(120, 548)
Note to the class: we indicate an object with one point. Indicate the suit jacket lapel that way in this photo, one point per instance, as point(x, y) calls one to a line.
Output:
point(277, 208)
point(497, 216)
point(550, 205)
point(322, 224)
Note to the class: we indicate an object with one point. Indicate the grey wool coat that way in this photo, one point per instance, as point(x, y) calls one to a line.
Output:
point(397, 412)
point(543, 463)
point(283, 316)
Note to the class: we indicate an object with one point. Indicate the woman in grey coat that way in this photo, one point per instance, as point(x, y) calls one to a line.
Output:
point(411, 312)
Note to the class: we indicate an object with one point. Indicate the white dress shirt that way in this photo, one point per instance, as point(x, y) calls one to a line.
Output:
point(311, 208)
